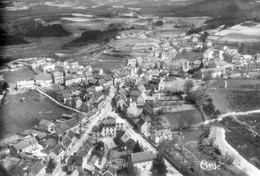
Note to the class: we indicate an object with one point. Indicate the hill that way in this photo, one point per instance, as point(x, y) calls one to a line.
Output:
point(6, 39)
point(32, 28)
point(214, 8)
point(96, 36)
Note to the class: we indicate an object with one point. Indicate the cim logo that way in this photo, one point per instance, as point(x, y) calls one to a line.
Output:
point(209, 165)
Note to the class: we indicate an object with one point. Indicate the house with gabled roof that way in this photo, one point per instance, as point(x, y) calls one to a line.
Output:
point(25, 84)
point(58, 77)
point(86, 106)
point(74, 64)
point(38, 169)
point(75, 163)
point(27, 145)
point(48, 67)
point(99, 104)
point(62, 96)
point(72, 136)
point(120, 103)
point(67, 143)
point(76, 102)
point(143, 159)
point(110, 172)
point(159, 135)
point(101, 82)
point(148, 110)
point(96, 132)
point(157, 84)
point(43, 80)
point(57, 154)
point(47, 126)
point(143, 126)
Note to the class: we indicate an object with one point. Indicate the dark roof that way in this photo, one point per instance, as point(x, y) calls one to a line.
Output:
point(88, 146)
point(120, 134)
point(148, 108)
point(141, 157)
point(82, 152)
point(66, 142)
point(44, 122)
point(59, 130)
point(25, 143)
point(101, 81)
point(110, 171)
point(75, 160)
point(37, 167)
point(43, 77)
point(140, 122)
point(57, 150)
point(72, 122)
point(96, 129)
point(109, 121)
point(71, 135)
point(92, 81)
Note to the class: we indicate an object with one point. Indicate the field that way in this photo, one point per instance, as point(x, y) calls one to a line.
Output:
point(104, 61)
point(176, 119)
point(241, 95)
point(17, 116)
point(240, 137)
point(240, 33)
point(157, 34)
point(131, 41)
point(40, 47)
point(19, 75)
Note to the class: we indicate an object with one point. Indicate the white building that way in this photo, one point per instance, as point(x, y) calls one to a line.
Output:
point(111, 125)
point(43, 80)
point(48, 67)
point(25, 84)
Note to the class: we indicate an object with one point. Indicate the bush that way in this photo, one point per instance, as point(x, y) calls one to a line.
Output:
point(158, 23)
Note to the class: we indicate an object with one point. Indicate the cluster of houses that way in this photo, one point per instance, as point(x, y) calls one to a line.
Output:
point(131, 35)
point(55, 141)
point(48, 73)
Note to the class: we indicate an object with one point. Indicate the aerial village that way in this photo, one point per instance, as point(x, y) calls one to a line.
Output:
point(114, 124)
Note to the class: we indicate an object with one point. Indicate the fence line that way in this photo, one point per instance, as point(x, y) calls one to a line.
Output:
point(55, 101)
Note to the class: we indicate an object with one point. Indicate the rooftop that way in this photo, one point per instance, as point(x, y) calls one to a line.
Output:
point(25, 143)
point(58, 149)
point(43, 77)
point(141, 157)
point(37, 167)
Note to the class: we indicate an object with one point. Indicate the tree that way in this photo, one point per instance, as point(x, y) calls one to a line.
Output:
point(188, 85)
point(117, 86)
point(161, 66)
point(136, 64)
point(204, 36)
point(5, 86)
point(207, 77)
point(51, 165)
point(159, 167)
point(156, 66)
point(137, 148)
point(158, 23)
